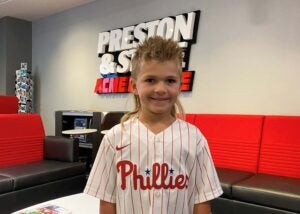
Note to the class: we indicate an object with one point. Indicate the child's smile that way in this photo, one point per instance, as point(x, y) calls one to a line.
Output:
point(158, 86)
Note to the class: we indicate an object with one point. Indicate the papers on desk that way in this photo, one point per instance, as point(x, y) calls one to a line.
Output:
point(80, 203)
point(47, 209)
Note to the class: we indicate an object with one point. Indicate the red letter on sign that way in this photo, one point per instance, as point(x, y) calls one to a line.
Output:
point(123, 84)
point(187, 78)
point(105, 85)
point(98, 87)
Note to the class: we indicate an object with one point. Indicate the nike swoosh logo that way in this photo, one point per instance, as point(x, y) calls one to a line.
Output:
point(118, 148)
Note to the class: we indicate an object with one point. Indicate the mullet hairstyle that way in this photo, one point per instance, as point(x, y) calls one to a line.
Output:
point(161, 50)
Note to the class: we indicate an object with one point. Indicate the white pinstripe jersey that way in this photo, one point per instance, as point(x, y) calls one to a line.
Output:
point(144, 173)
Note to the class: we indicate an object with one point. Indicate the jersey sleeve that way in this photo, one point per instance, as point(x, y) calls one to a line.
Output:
point(102, 179)
point(207, 182)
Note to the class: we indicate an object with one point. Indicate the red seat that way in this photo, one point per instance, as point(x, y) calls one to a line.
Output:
point(8, 105)
point(21, 138)
point(280, 147)
point(234, 140)
point(190, 118)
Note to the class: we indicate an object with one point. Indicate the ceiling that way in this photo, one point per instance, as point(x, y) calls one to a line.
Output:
point(32, 10)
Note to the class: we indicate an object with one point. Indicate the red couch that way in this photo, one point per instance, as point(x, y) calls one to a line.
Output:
point(257, 159)
point(34, 167)
point(8, 104)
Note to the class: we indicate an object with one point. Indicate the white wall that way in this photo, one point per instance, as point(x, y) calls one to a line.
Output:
point(247, 56)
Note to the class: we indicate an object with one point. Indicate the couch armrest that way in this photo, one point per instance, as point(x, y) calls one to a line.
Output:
point(61, 148)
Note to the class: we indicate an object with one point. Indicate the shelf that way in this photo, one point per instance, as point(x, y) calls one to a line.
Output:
point(78, 121)
point(86, 145)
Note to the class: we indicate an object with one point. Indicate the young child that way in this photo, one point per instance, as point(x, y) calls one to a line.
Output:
point(154, 162)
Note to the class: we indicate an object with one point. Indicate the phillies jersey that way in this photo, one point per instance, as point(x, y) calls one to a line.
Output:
point(145, 173)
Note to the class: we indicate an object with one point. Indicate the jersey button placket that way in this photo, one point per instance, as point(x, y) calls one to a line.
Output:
point(158, 145)
point(157, 193)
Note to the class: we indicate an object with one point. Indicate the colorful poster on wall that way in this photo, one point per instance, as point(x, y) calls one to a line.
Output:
point(24, 89)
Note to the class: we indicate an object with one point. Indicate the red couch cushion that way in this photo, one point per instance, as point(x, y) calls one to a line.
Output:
point(8, 105)
point(190, 118)
point(234, 140)
point(280, 147)
point(21, 138)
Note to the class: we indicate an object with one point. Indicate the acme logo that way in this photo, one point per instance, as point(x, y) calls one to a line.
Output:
point(118, 148)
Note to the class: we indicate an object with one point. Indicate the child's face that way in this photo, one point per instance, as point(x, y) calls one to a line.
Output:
point(158, 85)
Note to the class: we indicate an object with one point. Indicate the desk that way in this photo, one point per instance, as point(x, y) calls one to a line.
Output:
point(85, 152)
point(79, 131)
point(77, 203)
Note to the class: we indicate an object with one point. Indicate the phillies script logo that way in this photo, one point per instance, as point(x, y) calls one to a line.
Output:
point(159, 177)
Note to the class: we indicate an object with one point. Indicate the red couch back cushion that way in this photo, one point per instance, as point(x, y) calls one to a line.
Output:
point(190, 118)
point(8, 105)
point(280, 147)
point(21, 138)
point(234, 140)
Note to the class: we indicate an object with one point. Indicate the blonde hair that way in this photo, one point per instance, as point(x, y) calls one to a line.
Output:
point(161, 50)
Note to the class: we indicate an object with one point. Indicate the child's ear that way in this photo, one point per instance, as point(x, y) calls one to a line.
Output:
point(133, 85)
